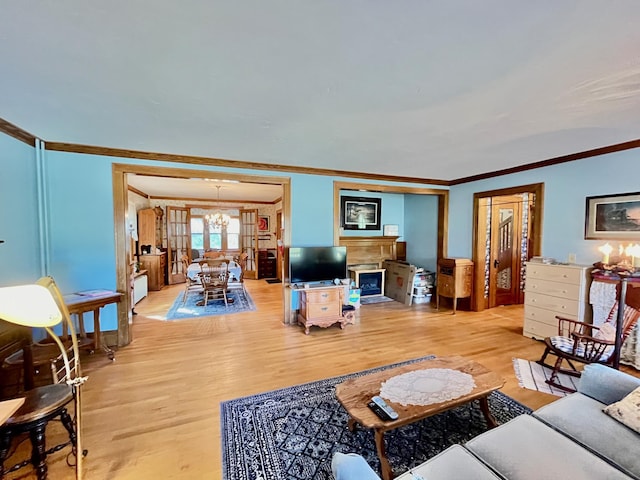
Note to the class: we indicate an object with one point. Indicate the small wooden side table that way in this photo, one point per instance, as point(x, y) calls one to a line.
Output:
point(454, 280)
point(91, 301)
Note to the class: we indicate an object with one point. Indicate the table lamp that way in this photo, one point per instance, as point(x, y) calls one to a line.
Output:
point(41, 306)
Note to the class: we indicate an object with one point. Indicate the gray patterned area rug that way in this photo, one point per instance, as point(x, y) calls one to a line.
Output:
point(293, 433)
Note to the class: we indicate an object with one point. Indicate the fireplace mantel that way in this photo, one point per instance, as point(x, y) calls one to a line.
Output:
point(371, 251)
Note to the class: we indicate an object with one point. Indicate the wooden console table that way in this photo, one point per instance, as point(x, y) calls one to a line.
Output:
point(321, 306)
point(91, 301)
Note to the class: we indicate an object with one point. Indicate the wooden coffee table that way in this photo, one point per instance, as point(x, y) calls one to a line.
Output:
point(355, 394)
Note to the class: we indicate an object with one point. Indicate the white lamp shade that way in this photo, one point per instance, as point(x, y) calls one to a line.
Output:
point(29, 305)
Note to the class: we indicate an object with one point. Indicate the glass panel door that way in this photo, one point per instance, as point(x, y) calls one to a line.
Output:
point(178, 241)
point(249, 240)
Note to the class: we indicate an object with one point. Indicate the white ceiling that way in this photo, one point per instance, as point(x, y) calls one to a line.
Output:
point(433, 89)
point(201, 189)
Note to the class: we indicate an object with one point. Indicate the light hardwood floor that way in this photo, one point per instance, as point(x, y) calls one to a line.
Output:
point(154, 413)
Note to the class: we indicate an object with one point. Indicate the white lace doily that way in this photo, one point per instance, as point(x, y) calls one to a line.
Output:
point(424, 387)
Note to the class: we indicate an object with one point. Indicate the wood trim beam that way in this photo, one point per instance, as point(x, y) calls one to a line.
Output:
point(552, 161)
point(136, 191)
point(211, 204)
point(220, 162)
point(28, 138)
point(17, 133)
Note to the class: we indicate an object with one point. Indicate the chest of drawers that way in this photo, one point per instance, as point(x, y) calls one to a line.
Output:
point(321, 306)
point(156, 266)
point(552, 290)
point(266, 264)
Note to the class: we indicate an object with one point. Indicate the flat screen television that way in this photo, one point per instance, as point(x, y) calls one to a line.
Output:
point(317, 264)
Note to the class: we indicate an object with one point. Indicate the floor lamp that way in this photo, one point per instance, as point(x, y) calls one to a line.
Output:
point(41, 306)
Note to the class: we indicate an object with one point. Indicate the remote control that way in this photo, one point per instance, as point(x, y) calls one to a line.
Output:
point(380, 408)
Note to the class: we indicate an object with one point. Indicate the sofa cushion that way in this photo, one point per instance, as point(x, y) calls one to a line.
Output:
point(627, 410)
point(454, 462)
point(581, 418)
point(606, 384)
point(527, 449)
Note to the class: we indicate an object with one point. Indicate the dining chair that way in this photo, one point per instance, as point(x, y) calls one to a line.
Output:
point(215, 280)
point(192, 284)
point(238, 283)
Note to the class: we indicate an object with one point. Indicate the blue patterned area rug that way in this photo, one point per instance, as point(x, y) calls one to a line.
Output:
point(293, 433)
point(242, 302)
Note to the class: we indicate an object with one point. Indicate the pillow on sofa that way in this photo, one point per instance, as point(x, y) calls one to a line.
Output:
point(627, 410)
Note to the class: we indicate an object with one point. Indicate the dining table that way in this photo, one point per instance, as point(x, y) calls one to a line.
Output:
point(195, 268)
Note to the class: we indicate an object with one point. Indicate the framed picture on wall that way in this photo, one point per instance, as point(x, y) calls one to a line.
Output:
point(263, 223)
point(360, 213)
point(613, 217)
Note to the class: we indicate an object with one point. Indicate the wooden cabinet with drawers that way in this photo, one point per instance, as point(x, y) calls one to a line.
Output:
point(150, 228)
point(552, 290)
point(321, 306)
point(454, 279)
point(267, 264)
point(156, 267)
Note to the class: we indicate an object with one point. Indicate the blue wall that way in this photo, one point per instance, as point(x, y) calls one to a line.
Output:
point(81, 217)
point(566, 187)
point(20, 254)
point(81, 212)
point(421, 230)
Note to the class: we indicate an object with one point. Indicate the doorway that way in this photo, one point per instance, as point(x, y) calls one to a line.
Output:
point(123, 244)
point(507, 233)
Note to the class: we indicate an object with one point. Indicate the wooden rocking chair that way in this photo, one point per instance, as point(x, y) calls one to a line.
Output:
point(585, 343)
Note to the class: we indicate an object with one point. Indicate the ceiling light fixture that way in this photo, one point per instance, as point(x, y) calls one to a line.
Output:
point(218, 219)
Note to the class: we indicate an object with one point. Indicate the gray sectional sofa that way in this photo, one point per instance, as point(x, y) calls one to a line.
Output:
point(569, 438)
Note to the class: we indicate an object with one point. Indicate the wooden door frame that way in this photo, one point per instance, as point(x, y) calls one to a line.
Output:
point(480, 232)
point(279, 257)
point(517, 235)
point(443, 207)
point(123, 246)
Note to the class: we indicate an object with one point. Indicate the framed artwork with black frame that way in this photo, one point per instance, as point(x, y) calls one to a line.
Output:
point(613, 217)
point(360, 213)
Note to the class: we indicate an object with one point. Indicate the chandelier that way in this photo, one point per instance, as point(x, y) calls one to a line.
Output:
point(218, 219)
